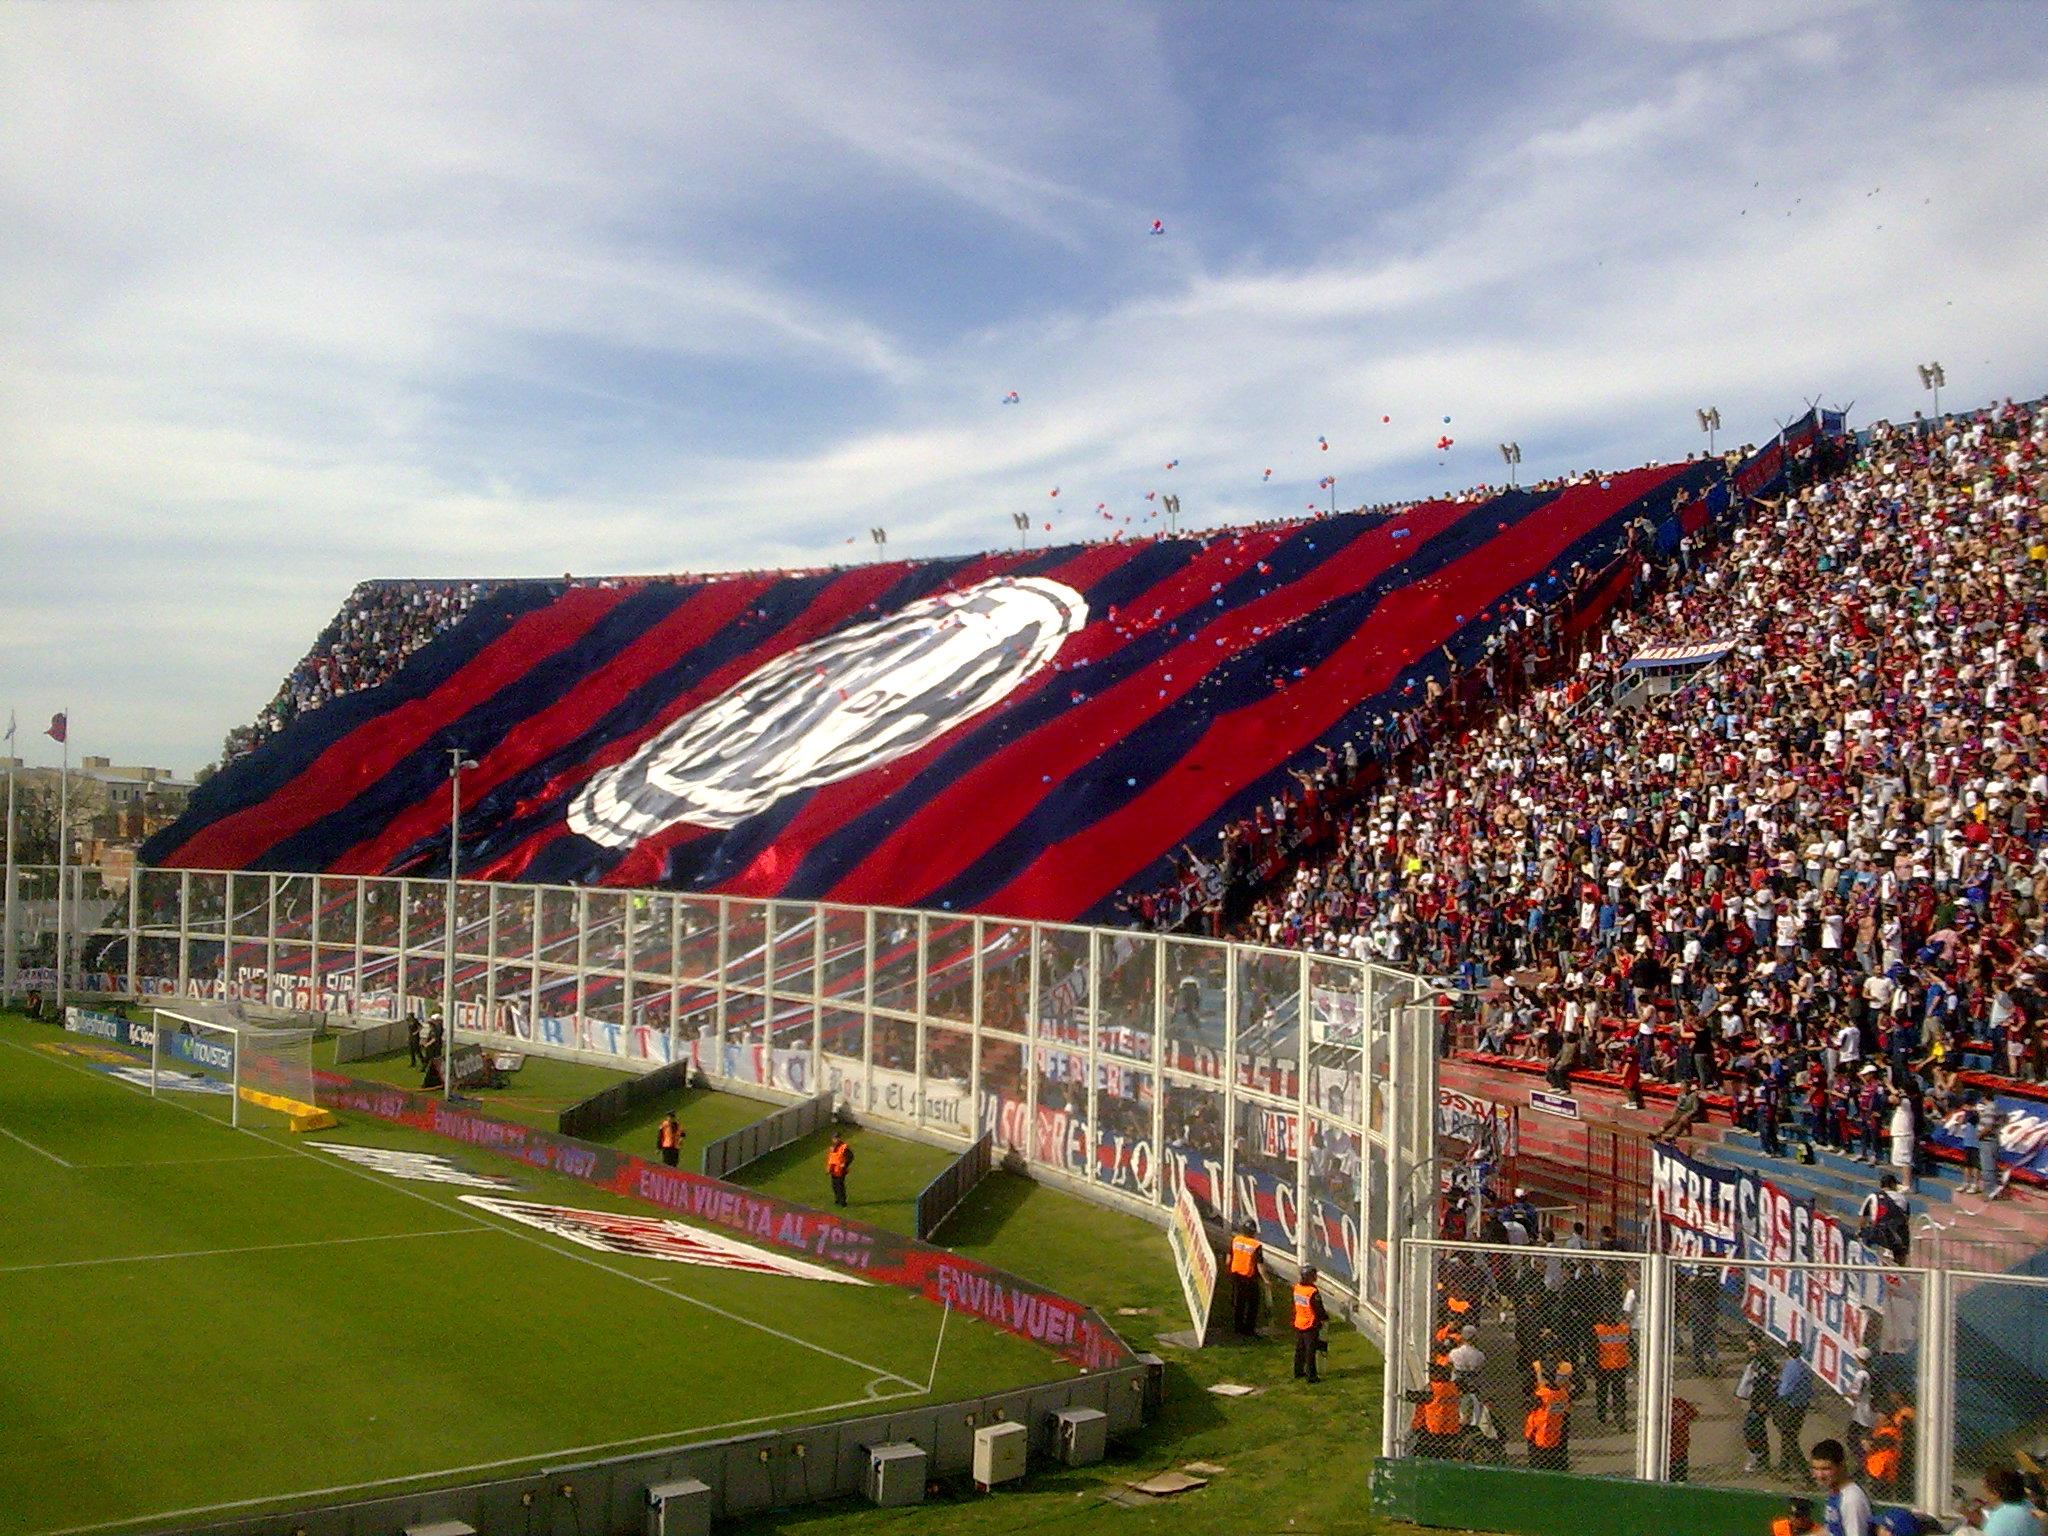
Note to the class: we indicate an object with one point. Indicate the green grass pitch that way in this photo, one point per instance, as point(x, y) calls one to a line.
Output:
point(201, 1322)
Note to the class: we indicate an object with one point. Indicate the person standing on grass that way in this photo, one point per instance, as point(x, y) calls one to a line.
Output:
point(838, 1163)
point(1309, 1316)
point(1247, 1275)
point(1848, 1508)
point(669, 1138)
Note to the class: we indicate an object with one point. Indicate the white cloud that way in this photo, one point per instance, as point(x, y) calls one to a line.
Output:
point(279, 288)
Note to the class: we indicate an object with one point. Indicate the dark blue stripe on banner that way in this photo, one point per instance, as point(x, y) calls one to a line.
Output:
point(283, 757)
point(422, 773)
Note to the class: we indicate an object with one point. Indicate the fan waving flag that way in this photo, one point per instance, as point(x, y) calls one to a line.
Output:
point(59, 726)
point(1033, 733)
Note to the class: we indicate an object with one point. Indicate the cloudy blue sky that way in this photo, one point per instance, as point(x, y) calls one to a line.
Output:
point(295, 295)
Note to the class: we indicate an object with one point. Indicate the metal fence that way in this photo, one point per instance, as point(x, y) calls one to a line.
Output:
point(1126, 1064)
point(954, 1183)
point(733, 1151)
point(1722, 1372)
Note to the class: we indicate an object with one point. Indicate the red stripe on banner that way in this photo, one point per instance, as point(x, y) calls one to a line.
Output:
point(831, 806)
point(962, 822)
point(695, 620)
point(1084, 869)
point(378, 745)
point(835, 604)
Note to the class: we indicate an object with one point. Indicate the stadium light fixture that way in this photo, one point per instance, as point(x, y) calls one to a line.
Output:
point(881, 540)
point(1511, 455)
point(1171, 506)
point(1932, 378)
point(1021, 521)
point(1710, 423)
point(458, 762)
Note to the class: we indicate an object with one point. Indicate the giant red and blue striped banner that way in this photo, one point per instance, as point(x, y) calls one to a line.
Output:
point(1025, 733)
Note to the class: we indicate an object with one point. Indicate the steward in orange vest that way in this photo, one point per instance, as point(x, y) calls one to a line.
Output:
point(1610, 1369)
point(669, 1138)
point(838, 1159)
point(1436, 1420)
point(1889, 1460)
point(1547, 1426)
point(1247, 1269)
point(1309, 1317)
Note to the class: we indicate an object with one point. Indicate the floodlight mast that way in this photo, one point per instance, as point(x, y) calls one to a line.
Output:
point(457, 762)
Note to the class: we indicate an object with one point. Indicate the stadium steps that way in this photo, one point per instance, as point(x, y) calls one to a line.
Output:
point(1554, 1161)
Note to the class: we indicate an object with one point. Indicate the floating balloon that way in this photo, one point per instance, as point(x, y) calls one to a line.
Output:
point(1010, 398)
point(1442, 443)
point(1323, 443)
point(1054, 491)
point(1158, 226)
point(1386, 418)
point(1266, 476)
point(1151, 495)
point(1173, 463)
point(1447, 421)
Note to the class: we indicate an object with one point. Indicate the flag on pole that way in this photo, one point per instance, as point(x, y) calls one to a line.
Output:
point(57, 729)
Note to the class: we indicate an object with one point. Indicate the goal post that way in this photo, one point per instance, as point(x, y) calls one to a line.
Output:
point(249, 1075)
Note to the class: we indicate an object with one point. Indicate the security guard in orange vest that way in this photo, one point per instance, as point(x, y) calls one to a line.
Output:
point(1437, 1421)
point(1309, 1317)
point(1610, 1367)
point(1547, 1425)
point(1247, 1272)
point(1889, 1462)
point(838, 1160)
point(669, 1138)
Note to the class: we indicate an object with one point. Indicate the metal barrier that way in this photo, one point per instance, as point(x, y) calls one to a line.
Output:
point(1291, 1089)
point(1720, 1371)
point(370, 1040)
point(608, 1106)
point(771, 1133)
point(955, 1182)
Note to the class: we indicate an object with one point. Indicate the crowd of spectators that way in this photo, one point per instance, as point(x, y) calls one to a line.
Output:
point(366, 643)
point(1811, 876)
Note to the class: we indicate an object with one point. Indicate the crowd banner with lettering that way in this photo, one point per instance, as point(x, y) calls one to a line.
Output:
point(1702, 1211)
point(1194, 1261)
point(1489, 1129)
point(1067, 1327)
point(2022, 1137)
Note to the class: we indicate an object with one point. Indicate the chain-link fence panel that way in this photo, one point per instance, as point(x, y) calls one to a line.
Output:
point(1999, 1348)
point(1768, 1359)
point(1527, 1356)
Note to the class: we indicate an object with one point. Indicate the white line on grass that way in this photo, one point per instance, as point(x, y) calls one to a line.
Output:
point(506, 1227)
point(681, 1437)
point(931, 1379)
point(212, 1253)
point(39, 1151)
point(186, 1162)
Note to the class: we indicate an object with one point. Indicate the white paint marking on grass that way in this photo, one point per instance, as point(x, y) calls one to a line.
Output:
point(931, 1379)
point(681, 1439)
point(494, 1225)
point(39, 1151)
point(215, 1253)
point(185, 1162)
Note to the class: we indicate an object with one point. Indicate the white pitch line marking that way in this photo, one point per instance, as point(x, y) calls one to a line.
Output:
point(39, 1151)
point(214, 1253)
point(508, 1228)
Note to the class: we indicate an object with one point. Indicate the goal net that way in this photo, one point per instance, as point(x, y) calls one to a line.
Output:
point(246, 1074)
